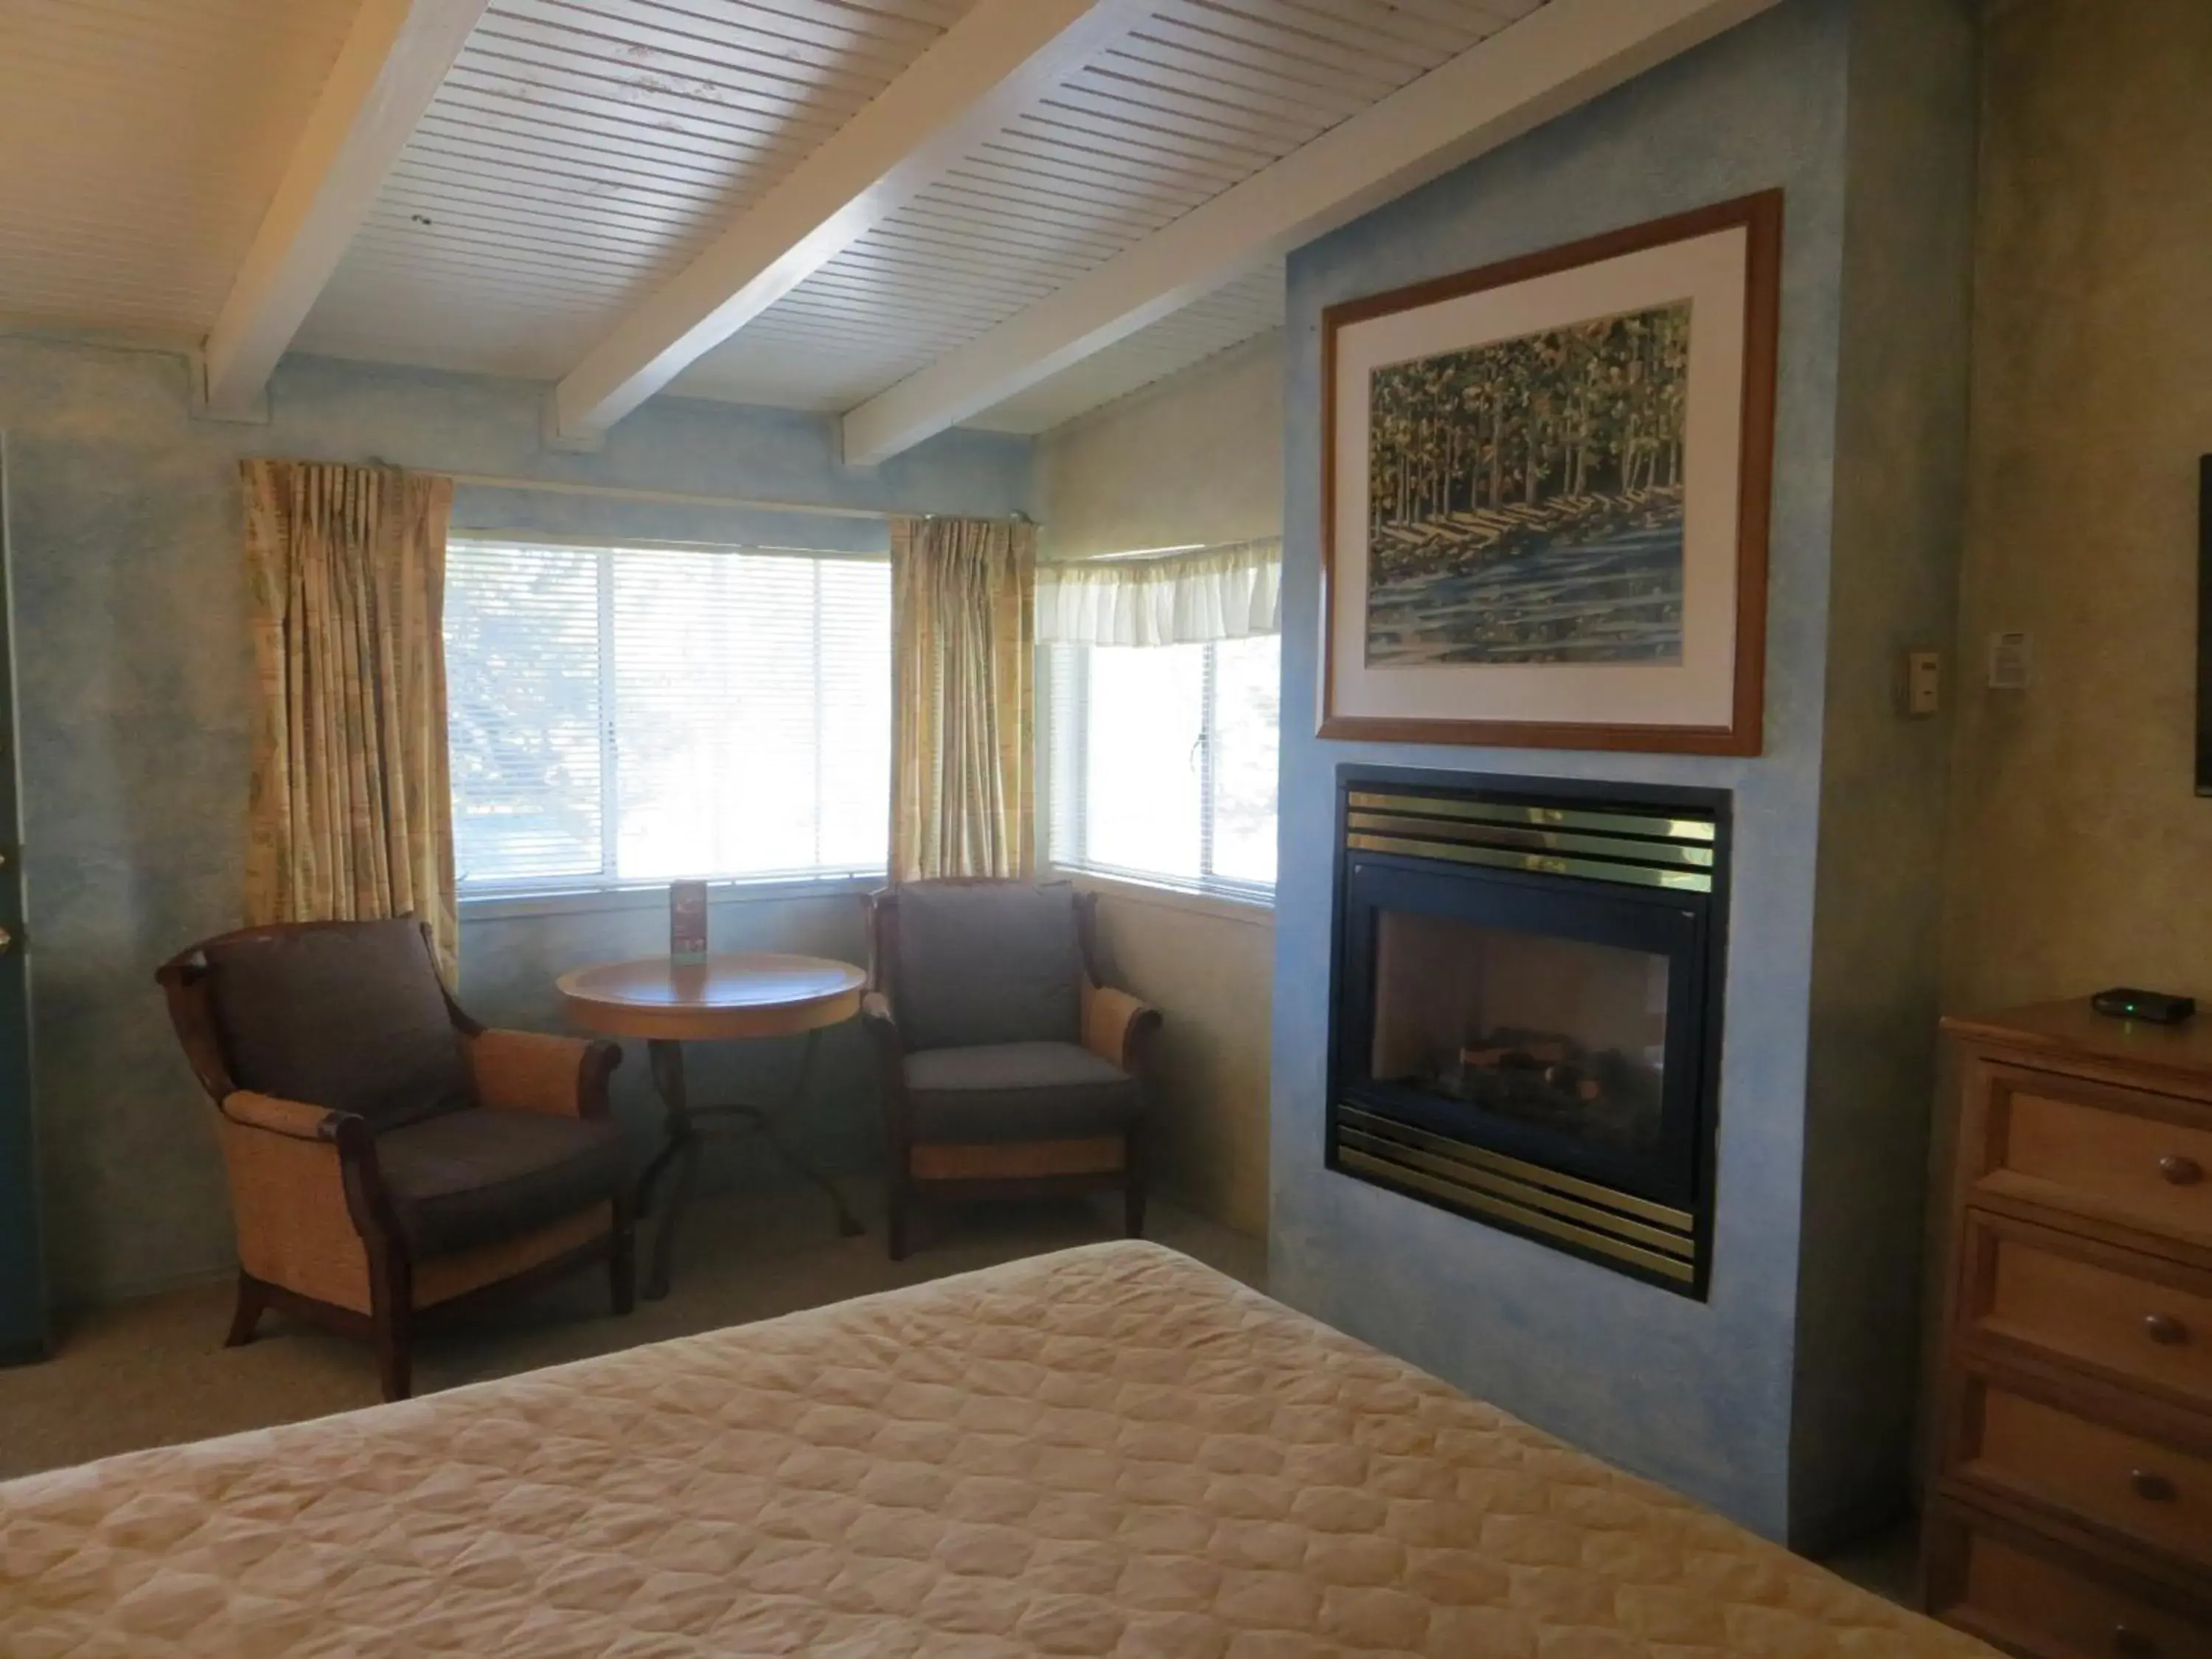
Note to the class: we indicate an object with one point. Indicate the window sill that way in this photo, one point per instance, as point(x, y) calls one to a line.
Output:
point(1247, 912)
point(502, 907)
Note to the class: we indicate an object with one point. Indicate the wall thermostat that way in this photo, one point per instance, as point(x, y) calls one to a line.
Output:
point(2008, 662)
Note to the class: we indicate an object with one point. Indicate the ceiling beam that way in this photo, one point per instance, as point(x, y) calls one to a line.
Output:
point(1559, 55)
point(973, 78)
point(394, 58)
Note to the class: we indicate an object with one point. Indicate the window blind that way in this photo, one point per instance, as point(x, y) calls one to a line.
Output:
point(1161, 761)
point(640, 714)
point(523, 713)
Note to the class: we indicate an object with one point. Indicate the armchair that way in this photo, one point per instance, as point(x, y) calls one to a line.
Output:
point(1007, 1069)
point(389, 1157)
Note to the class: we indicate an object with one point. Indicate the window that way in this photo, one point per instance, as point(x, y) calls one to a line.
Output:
point(1162, 761)
point(639, 714)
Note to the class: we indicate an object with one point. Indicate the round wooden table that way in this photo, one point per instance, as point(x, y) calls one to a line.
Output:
point(670, 1003)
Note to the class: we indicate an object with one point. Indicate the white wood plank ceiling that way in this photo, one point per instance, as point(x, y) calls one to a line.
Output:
point(581, 151)
point(1201, 95)
point(140, 142)
point(585, 164)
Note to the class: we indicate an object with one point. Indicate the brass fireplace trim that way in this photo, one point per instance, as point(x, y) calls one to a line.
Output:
point(1545, 817)
point(1666, 1215)
point(1535, 1220)
point(1526, 1194)
point(1516, 838)
point(1546, 864)
point(1518, 1191)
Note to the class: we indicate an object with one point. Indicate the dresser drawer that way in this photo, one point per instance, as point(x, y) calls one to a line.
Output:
point(2017, 1439)
point(2140, 1159)
point(2005, 1584)
point(2139, 1319)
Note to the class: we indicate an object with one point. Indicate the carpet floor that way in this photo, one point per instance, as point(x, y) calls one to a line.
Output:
point(155, 1373)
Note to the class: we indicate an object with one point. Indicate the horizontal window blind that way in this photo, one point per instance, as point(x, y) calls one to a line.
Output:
point(524, 714)
point(1243, 740)
point(636, 714)
point(1161, 761)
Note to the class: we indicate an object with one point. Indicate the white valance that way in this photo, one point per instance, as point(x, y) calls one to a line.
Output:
point(1175, 598)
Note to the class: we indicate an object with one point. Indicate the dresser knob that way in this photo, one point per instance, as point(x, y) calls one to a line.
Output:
point(2180, 1171)
point(2150, 1485)
point(2164, 1330)
point(2129, 1642)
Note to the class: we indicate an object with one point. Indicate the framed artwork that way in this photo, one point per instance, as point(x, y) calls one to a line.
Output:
point(1545, 494)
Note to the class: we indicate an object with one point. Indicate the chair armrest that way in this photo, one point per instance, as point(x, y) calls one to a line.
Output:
point(1117, 1027)
point(876, 1016)
point(889, 1044)
point(531, 1072)
point(295, 1118)
point(306, 1195)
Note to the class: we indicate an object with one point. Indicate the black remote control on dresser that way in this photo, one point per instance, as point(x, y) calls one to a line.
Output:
point(2159, 1007)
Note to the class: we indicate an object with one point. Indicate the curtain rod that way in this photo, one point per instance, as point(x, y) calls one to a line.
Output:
point(665, 497)
point(1136, 555)
point(684, 498)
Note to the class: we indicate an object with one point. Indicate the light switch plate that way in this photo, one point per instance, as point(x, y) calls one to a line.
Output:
point(1923, 683)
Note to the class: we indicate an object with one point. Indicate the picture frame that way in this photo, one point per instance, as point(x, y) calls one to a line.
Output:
point(1546, 491)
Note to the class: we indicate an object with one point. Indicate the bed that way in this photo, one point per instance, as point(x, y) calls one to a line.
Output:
point(1109, 1451)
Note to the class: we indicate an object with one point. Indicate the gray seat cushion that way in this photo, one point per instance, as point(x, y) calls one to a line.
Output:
point(348, 1016)
point(987, 962)
point(470, 1177)
point(1018, 1091)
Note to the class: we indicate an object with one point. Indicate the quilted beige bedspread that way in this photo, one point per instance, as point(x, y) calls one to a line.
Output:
point(1111, 1452)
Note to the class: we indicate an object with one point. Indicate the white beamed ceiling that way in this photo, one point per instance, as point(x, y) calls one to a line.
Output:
point(581, 152)
point(140, 142)
point(1201, 96)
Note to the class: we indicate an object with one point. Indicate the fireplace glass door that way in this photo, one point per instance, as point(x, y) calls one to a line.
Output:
point(1560, 1033)
point(1559, 1022)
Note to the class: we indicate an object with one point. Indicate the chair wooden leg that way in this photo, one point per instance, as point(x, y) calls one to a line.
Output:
point(896, 1201)
point(395, 1353)
point(622, 1258)
point(392, 1296)
point(251, 1303)
point(1132, 1190)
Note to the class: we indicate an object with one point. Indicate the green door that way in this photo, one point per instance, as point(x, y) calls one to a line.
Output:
point(22, 1279)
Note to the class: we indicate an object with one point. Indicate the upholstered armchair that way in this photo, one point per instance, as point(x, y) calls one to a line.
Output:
point(389, 1157)
point(1007, 1068)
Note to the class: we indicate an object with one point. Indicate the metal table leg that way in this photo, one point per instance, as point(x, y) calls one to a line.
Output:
point(848, 1222)
point(683, 1151)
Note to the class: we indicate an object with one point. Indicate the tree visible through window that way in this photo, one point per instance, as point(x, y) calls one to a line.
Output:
point(634, 714)
point(1162, 761)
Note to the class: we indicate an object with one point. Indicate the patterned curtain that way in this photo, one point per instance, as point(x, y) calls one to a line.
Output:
point(350, 813)
point(963, 654)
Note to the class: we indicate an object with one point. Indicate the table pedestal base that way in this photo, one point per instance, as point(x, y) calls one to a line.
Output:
point(686, 1140)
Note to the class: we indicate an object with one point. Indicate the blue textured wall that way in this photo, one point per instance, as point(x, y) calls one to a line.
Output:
point(1697, 1396)
point(1901, 509)
point(136, 671)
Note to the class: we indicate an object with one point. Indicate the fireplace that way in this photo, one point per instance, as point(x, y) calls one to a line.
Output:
point(1525, 1010)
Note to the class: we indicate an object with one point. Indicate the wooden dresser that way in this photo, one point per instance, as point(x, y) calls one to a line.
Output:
point(2069, 1513)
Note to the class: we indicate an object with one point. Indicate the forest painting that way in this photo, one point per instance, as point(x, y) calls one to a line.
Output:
point(1525, 497)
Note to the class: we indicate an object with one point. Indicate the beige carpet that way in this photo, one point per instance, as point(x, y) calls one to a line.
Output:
point(155, 1373)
